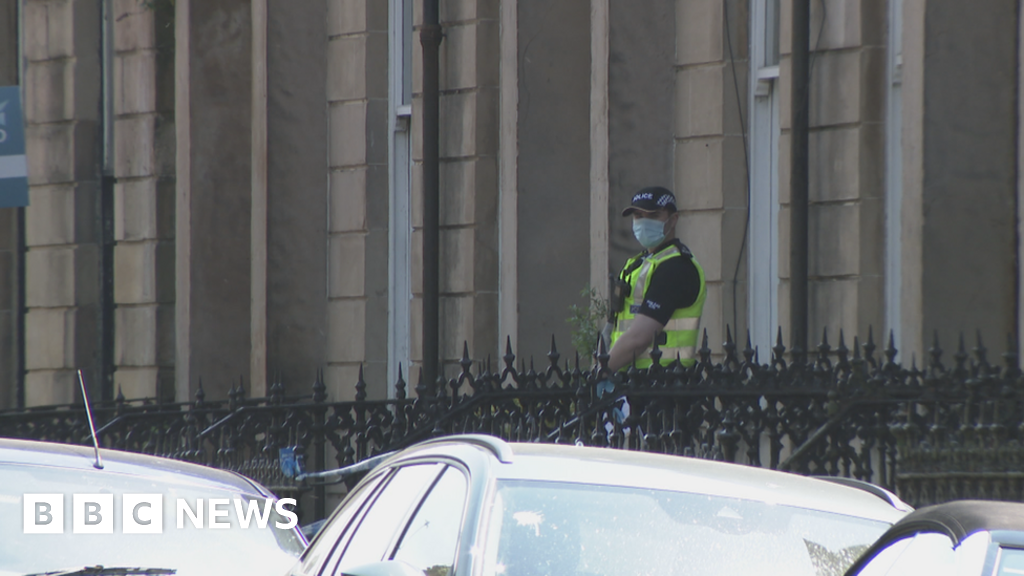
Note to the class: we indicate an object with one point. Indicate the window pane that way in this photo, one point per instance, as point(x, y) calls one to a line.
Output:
point(407, 40)
point(926, 553)
point(771, 33)
point(379, 527)
point(432, 538)
point(1011, 562)
point(561, 528)
point(329, 536)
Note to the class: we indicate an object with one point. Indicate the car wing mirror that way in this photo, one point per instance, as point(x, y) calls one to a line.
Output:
point(388, 568)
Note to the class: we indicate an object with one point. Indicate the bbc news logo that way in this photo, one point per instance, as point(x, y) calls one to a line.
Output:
point(144, 513)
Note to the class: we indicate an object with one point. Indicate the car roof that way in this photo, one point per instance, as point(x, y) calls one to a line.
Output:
point(607, 466)
point(73, 457)
point(959, 519)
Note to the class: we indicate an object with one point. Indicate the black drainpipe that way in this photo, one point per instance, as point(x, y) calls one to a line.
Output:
point(799, 178)
point(22, 308)
point(430, 39)
point(21, 255)
point(105, 373)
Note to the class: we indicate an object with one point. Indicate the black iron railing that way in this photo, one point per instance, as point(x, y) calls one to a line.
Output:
point(930, 434)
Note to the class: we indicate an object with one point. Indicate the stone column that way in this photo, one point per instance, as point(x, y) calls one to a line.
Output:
point(10, 234)
point(213, 69)
point(297, 193)
point(641, 81)
point(62, 109)
point(144, 200)
point(554, 171)
point(709, 177)
point(357, 92)
point(960, 87)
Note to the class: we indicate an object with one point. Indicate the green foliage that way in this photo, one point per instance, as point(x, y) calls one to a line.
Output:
point(587, 321)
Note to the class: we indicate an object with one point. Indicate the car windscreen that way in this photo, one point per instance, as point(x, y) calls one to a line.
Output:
point(562, 528)
point(33, 499)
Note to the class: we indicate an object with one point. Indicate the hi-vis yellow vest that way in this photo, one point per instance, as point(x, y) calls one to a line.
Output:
point(679, 338)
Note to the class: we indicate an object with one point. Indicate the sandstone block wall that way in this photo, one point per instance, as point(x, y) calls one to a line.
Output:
point(63, 141)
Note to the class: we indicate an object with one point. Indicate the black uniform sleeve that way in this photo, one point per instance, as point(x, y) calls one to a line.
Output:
point(675, 284)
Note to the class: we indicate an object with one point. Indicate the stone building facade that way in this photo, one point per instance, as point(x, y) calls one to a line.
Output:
point(230, 191)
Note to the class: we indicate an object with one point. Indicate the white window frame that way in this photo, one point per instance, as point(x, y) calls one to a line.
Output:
point(400, 37)
point(763, 248)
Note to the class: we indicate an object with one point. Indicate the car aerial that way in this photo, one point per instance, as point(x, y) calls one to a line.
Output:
point(962, 538)
point(64, 508)
point(476, 505)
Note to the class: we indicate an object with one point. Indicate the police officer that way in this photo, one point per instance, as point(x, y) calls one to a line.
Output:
point(659, 295)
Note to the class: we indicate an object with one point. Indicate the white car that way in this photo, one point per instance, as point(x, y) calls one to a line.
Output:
point(475, 505)
point(60, 513)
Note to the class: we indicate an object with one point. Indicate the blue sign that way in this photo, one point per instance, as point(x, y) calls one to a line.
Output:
point(13, 167)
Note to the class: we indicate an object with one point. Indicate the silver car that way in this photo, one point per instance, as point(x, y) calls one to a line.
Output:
point(475, 505)
point(63, 509)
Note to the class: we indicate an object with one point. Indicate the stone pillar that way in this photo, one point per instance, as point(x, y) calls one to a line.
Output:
point(144, 200)
point(960, 87)
point(357, 92)
point(297, 193)
point(554, 171)
point(10, 234)
point(709, 177)
point(62, 109)
point(213, 68)
point(641, 81)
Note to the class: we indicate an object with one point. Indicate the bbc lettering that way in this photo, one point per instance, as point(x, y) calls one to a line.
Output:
point(144, 513)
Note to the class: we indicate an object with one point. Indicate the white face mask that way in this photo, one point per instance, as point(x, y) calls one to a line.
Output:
point(649, 232)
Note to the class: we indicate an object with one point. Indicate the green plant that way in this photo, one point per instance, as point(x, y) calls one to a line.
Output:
point(587, 321)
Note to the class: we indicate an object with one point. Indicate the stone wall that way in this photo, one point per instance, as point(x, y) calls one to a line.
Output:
point(357, 100)
point(251, 208)
point(63, 144)
point(846, 173)
point(709, 177)
point(144, 200)
point(468, 182)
